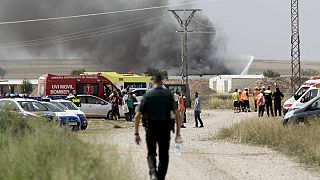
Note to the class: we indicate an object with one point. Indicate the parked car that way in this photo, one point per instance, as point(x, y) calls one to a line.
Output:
point(287, 106)
point(138, 93)
point(68, 106)
point(95, 107)
point(26, 107)
point(64, 118)
point(311, 93)
point(307, 111)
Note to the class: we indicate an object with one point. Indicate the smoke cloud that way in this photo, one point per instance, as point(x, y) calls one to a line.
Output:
point(155, 44)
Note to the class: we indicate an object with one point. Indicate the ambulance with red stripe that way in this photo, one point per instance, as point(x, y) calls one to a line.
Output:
point(296, 100)
point(61, 86)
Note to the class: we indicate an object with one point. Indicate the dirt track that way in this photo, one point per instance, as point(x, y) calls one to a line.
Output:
point(207, 159)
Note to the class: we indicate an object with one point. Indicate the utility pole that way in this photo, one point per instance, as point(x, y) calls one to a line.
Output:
point(184, 23)
point(295, 46)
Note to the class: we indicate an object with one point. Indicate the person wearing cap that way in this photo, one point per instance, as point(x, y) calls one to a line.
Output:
point(255, 93)
point(76, 100)
point(277, 97)
point(268, 100)
point(155, 110)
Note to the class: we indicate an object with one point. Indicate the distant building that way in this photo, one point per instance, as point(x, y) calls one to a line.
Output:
point(12, 86)
point(227, 83)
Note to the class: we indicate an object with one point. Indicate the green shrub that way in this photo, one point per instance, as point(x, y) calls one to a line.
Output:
point(46, 151)
point(271, 74)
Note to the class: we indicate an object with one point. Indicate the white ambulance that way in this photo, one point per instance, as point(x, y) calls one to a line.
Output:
point(303, 89)
point(311, 93)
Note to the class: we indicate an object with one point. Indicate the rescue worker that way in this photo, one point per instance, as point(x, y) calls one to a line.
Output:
point(240, 101)
point(76, 100)
point(235, 98)
point(256, 92)
point(245, 98)
point(260, 103)
point(277, 97)
point(155, 111)
point(182, 108)
point(268, 100)
point(197, 110)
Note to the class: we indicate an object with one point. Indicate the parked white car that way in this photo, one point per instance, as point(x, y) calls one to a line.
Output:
point(96, 107)
point(26, 107)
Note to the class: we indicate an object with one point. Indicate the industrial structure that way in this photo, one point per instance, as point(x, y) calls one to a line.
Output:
point(295, 46)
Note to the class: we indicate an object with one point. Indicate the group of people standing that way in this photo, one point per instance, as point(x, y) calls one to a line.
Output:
point(264, 100)
point(125, 100)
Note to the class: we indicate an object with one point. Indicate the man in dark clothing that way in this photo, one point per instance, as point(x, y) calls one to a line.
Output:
point(268, 100)
point(277, 97)
point(155, 110)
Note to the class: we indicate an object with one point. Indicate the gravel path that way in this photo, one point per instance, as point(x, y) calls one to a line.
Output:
point(205, 159)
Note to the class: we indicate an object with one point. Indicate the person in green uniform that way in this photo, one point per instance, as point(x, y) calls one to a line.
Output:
point(235, 98)
point(155, 110)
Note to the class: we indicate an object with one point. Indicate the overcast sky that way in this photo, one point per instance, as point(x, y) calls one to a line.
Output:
point(262, 27)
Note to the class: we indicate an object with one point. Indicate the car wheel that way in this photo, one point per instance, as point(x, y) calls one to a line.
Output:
point(84, 127)
point(109, 115)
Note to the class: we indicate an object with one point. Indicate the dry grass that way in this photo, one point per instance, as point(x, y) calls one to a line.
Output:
point(301, 141)
point(36, 149)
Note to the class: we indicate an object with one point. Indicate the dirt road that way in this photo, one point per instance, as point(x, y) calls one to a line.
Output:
point(206, 159)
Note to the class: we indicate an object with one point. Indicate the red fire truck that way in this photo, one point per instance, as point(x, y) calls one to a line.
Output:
point(62, 85)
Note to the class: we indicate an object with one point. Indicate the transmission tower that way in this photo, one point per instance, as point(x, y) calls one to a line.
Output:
point(184, 23)
point(295, 46)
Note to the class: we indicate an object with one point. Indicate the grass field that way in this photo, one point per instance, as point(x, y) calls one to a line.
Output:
point(300, 141)
point(37, 149)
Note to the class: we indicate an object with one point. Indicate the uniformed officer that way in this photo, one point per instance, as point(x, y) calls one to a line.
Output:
point(76, 100)
point(155, 109)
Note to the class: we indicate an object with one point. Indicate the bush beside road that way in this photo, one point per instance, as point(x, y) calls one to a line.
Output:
point(300, 141)
point(36, 149)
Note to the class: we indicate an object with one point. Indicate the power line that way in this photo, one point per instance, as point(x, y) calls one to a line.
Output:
point(76, 35)
point(77, 38)
point(78, 32)
point(102, 13)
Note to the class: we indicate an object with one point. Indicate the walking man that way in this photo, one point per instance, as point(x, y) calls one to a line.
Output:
point(197, 110)
point(155, 110)
point(277, 97)
point(235, 98)
point(268, 100)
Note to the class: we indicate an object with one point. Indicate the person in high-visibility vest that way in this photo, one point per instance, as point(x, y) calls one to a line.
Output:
point(268, 100)
point(235, 98)
point(182, 108)
point(245, 99)
point(256, 92)
point(76, 100)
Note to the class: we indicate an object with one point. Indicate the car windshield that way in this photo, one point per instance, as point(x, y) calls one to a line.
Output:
point(53, 108)
point(60, 105)
point(70, 105)
point(32, 106)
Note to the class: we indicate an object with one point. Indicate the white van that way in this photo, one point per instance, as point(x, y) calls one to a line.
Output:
point(304, 88)
point(312, 92)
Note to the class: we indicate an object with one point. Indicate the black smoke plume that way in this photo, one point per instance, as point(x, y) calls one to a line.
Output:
point(155, 44)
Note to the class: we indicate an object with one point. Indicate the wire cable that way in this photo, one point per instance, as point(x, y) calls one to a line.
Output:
point(102, 13)
point(76, 35)
point(76, 38)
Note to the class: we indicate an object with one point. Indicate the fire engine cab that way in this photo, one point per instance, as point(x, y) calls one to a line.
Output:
point(59, 86)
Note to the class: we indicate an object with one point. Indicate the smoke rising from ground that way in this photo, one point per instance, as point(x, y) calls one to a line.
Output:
point(153, 45)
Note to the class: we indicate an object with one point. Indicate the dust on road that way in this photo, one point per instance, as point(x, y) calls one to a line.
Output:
point(206, 159)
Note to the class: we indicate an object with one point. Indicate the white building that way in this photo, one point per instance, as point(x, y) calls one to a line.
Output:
point(227, 83)
point(12, 85)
